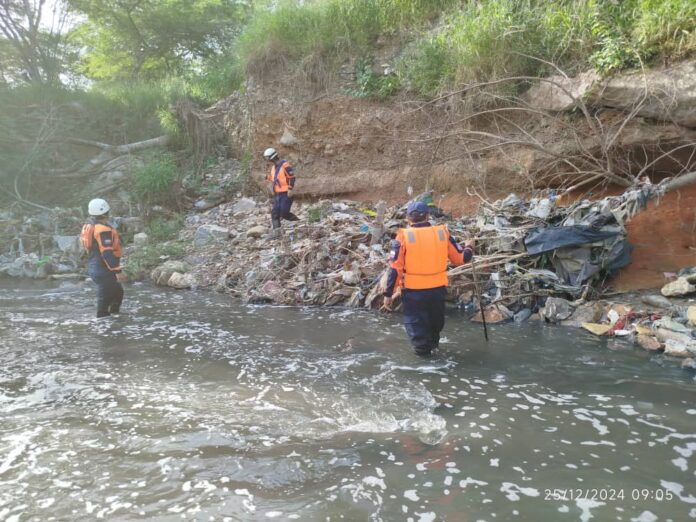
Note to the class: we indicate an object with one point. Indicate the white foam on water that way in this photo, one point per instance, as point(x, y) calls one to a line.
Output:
point(678, 490)
point(412, 495)
point(513, 491)
point(586, 506)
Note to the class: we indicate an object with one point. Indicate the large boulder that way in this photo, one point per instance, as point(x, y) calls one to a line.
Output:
point(243, 205)
point(210, 233)
point(667, 93)
point(161, 275)
point(181, 281)
point(558, 93)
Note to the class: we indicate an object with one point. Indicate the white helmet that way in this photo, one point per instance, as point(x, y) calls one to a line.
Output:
point(270, 154)
point(98, 207)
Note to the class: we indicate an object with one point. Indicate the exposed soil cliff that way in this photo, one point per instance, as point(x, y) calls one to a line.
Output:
point(369, 150)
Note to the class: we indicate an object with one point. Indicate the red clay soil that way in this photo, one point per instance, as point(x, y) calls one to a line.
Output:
point(664, 240)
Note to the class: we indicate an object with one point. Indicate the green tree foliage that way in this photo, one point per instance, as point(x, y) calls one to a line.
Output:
point(34, 44)
point(155, 38)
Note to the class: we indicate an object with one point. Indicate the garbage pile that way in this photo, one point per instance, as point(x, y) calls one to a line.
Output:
point(40, 245)
point(335, 255)
point(656, 324)
point(527, 252)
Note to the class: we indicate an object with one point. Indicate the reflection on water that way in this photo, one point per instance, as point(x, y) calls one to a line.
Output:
point(193, 407)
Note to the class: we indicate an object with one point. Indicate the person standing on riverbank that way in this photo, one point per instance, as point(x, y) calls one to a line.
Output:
point(418, 263)
point(103, 244)
point(282, 179)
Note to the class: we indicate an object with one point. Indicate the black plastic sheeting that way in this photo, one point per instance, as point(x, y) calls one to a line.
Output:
point(540, 240)
point(579, 252)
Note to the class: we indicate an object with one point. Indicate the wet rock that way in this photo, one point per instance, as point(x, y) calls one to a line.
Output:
point(586, 313)
point(493, 314)
point(678, 288)
point(180, 281)
point(522, 316)
point(256, 232)
point(140, 239)
point(689, 363)
point(648, 342)
point(676, 349)
point(670, 324)
point(556, 310)
point(209, 233)
point(657, 301)
point(597, 329)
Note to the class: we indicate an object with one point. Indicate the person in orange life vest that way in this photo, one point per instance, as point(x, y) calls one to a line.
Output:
point(282, 180)
point(102, 242)
point(418, 263)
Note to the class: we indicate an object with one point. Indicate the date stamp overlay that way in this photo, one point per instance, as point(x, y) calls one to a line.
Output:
point(608, 494)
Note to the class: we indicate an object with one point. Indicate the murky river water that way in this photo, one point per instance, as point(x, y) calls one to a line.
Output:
point(194, 407)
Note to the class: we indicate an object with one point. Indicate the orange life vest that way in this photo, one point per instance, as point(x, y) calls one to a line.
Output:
point(281, 182)
point(91, 232)
point(426, 257)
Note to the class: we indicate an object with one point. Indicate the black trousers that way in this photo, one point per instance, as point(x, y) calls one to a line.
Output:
point(424, 317)
point(109, 294)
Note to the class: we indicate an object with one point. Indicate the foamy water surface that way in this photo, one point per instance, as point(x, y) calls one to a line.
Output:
point(195, 407)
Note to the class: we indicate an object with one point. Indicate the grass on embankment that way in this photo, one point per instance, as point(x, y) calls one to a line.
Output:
point(453, 42)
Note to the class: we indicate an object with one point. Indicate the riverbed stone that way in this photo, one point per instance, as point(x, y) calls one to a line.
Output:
point(691, 315)
point(676, 349)
point(23, 266)
point(180, 281)
point(161, 275)
point(256, 232)
point(243, 205)
point(496, 313)
point(648, 342)
point(209, 233)
point(556, 310)
point(586, 313)
point(678, 288)
point(657, 301)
